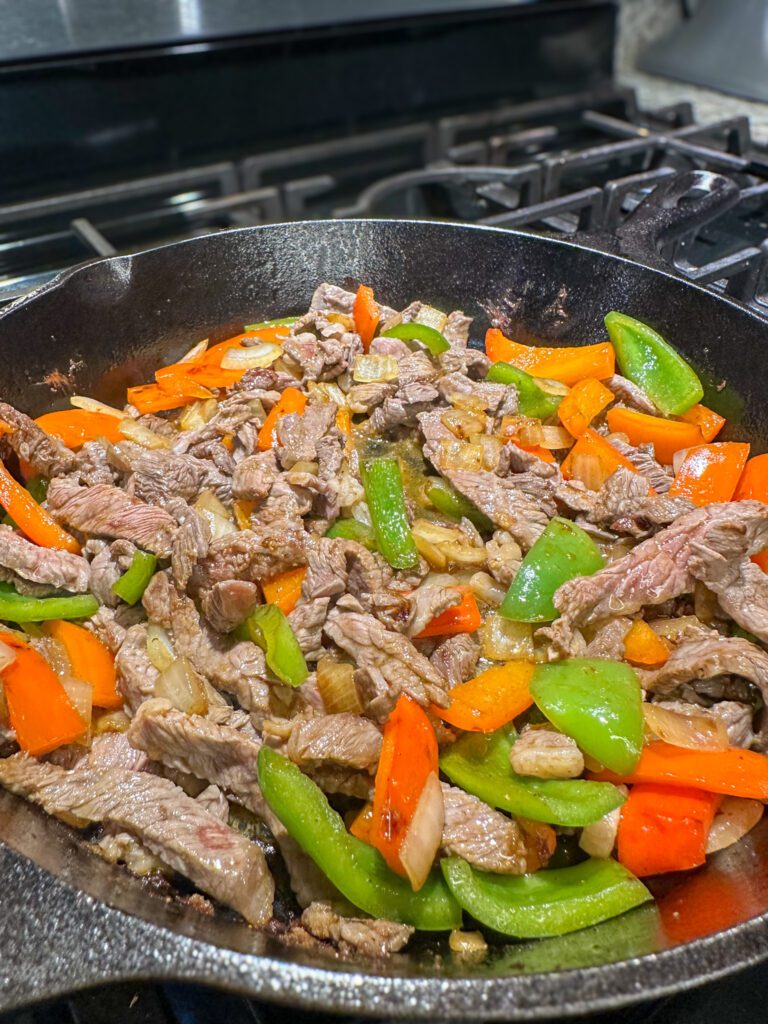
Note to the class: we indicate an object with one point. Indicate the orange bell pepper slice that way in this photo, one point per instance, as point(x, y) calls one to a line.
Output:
point(89, 660)
point(710, 472)
point(366, 313)
point(74, 427)
point(709, 422)
point(344, 420)
point(291, 400)
point(644, 647)
point(754, 485)
point(491, 699)
point(409, 756)
point(31, 518)
point(568, 365)
point(586, 399)
point(41, 714)
point(666, 436)
point(732, 772)
point(149, 398)
point(664, 828)
point(594, 444)
point(284, 590)
point(463, 617)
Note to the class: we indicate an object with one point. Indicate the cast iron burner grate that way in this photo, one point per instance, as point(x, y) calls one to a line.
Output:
point(575, 163)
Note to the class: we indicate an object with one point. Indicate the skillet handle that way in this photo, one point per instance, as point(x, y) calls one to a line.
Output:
point(665, 214)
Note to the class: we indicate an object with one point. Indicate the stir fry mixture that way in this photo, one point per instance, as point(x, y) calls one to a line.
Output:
point(469, 637)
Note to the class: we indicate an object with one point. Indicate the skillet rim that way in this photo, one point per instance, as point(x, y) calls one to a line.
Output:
point(536, 996)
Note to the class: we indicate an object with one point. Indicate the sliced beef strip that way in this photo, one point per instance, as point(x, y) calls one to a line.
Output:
point(426, 603)
point(416, 392)
point(191, 542)
point(389, 347)
point(109, 512)
point(459, 358)
point(455, 658)
point(485, 838)
point(238, 669)
point(183, 834)
point(664, 566)
point(108, 564)
point(307, 620)
point(50, 566)
point(346, 740)
point(228, 758)
point(107, 628)
point(136, 675)
point(46, 454)
point(644, 460)
point(497, 399)
point(331, 298)
point(324, 357)
point(522, 503)
point(738, 720)
point(355, 936)
point(298, 435)
point(630, 394)
point(364, 398)
point(388, 663)
point(709, 658)
point(229, 603)
point(623, 505)
point(239, 408)
point(608, 641)
point(263, 380)
point(92, 465)
point(154, 475)
point(254, 476)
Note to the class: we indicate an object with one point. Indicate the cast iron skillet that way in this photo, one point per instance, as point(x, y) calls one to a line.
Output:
point(69, 920)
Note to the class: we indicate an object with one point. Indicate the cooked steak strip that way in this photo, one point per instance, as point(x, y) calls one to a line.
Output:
point(157, 474)
point(344, 739)
point(229, 603)
point(370, 937)
point(644, 460)
point(107, 511)
point(46, 454)
point(455, 658)
point(108, 563)
point(485, 838)
point(630, 394)
point(623, 505)
point(298, 435)
point(387, 662)
point(169, 823)
point(136, 675)
point(58, 569)
point(254, 476)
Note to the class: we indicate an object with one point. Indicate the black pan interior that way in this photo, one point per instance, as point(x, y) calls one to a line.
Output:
point(110, 324)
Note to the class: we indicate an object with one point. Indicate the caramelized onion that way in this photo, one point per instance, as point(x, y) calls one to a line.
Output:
point(92, 405)
point(486, 589)
point(696, 731)
point(159, 647)
point(215, 514)
point(197, 414)
point(372, 369)
point(599, 838)
point(135, 431)
point(467, 945)
point(264, 353)
point(80, 694)
point(425, 833)
point(735, 817)
point(441, 545)
point(182, 687)
point(505, 640)
point(588, 470)
point(110, 721)
point(7, 656)
point(464, 424)
point(336, 683)
point(555, 438)
point(192, 353)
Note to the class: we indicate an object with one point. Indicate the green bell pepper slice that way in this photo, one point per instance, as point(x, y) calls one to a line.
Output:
point(15, 607)
point(353, 529)
point(649, 361)
point(546, 903)
point(135, 580)
point(357, 870)
point(431, 339)
point(383, 485)
point(596, 702)
point(268, 627)
point(446, 499)
point(285, 321)
point(531, 400)
point(479, 764)
point(563, 551)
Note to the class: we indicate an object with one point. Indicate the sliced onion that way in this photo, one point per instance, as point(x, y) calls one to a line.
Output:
point(371, 369)
point(735, 817)
point(705, 603)
point(215, 514)
point(425, 833)
point(468, 945)
point(92, 405)
point(159, 647)
point(678, 459)
point(470, 403)
point(696, 731)
point(110, 721)
point(455, 454)
point(504, 640)
point(443, 544)
point(197, 414)
point(531, 433)
point(327, 391)
point(431, 317)
point(142, 435)
point(463, 424)
point(486, 589)
point(684, 627)
point(599, 838)
point(336, 683)
point(7, 656)
point(182, 686)
point(197, 350)
point(5, 717)
point(490, 446)
point(588, 470)
point(555, 438)
point(254, 357)
point(54, 652)
point(305, 467)
point(552, 387)
point(80, 694)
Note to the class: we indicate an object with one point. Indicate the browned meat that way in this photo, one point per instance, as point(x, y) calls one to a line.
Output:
point(630, 394)
point(92, 466)
point(428, 601)
point(254, 476)
point(487, 839)
point(497, 399)
point(707, 659)
point(331, 298)
point(46, 454)
point(298, 435)
point(183, 834)
point(136, 675)
point(108, 563)
point(214, 801)
point(191, 541)
point(388, 663)
point(241, 407)
point(237, 668)
point(737, 719)
point(416, 392)
point(459, 358)
point(503, 556)
point(663, 566)
point(346, 740)
point(355, 936)
point(229, 603)
point(608, 641)
point(455, 658)
point(307, 620)
point(364, 398)
point(323, 357)
point(389, 347)
point(107, 511)
point(105, 626)
point(522, 503)
point(157, 474)
point(336, 566)
point(643, 458)
point(55, 568)
point(264, 379)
